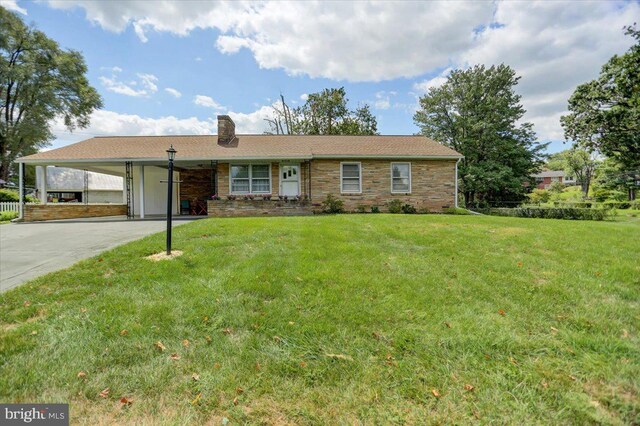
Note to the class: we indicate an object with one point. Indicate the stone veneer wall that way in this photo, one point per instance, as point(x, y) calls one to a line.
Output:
point(432, 184)
point(234, 208)
point(196, 185)
point(55, 211)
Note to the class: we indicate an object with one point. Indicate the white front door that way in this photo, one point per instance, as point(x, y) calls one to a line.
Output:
point(290, 180)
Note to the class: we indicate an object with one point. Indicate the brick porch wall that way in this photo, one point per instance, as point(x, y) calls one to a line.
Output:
point(55, 211)
point(432, 184)
point(196, 185)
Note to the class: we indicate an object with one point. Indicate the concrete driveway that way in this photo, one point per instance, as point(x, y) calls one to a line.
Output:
point(28, 250)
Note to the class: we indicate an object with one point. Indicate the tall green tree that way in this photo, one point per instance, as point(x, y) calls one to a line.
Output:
point(477, 113)
point(324, 113)
point(39, 83)
point(576, 162)
point(605, 113)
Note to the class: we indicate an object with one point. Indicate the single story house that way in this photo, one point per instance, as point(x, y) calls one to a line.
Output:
point(545, 178)
point(232, 174)
point(72, 185)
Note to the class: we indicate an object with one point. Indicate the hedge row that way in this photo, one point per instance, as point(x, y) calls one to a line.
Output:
point(570, 213)
point(635, 204)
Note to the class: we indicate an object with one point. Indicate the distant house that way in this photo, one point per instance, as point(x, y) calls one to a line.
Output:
point(545, 178)
point(231, 174)
point(73, 185)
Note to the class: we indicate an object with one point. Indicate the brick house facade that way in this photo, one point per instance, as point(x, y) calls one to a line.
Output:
point(234, 174)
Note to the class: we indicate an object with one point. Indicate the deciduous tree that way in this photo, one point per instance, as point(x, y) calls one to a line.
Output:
point(605, 113)
point(39, 83)
point(477, 112)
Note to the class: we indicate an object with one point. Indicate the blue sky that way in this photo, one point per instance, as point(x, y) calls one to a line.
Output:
point(171, 67)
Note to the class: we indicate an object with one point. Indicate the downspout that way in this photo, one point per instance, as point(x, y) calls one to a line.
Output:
point(456, 194)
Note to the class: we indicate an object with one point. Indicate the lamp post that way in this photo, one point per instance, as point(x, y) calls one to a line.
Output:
point(171, 153)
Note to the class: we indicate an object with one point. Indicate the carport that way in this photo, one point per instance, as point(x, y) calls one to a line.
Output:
point(144, 191)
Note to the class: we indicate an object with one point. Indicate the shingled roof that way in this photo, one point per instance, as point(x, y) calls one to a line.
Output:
point(207, 147)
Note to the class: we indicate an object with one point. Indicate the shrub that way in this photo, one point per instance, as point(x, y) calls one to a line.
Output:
point(332, 205)
point(571, 213)
point(394, 206)
point(361, 208)
point(5, 216)
point(409, 209)
point(556, 187)
point(375, 209)
point(9, 195)
point(457, 211)
point(539, 196)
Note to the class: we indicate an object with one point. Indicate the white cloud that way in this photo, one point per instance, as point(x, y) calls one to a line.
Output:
point(304, 96)
point(554, 46)
point(12, 5)
point(173, 92)
point(356, 41)
point(383, 99)
point(146, 81)
point(198, 59)
point(111, 123)
point(207, 101)
point(437, 81)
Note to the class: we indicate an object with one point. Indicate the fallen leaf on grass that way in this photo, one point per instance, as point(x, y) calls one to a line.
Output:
point(208, 339)
point(205, 319)
point(159, 346)
point(554, 330)
point(544, 384)
point(83, 310)
point(216, 365)
point(625, 333)
point(239, 391)
point(185, 343)
point(447, 325)
point(124, 332)
point(487, 356)
point(196, 399)
point(435, 393)
point(339, 356)
point(277, 339)
point(513, 361)
point(26, 303)
point(195, 377)
point(501, 312)
point(104, 393)
point(235, 401)
point(291, 323)
point(175, 356)
point(125, 401)
point(227, 331)
point(303, 364)
point(82, 375)
point(469, 387)
point(258, 366)
point(519, 264)
point(34, 332)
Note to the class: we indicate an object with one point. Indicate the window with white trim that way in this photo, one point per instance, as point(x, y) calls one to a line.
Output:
point(400, 177)
point(250, 179)
point(350, 177)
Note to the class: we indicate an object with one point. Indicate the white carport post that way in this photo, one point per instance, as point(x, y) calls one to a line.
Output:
point(141, 192)
point(21, 191)
point(42, 191)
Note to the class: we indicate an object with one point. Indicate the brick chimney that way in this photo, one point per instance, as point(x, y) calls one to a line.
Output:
point(226, 129)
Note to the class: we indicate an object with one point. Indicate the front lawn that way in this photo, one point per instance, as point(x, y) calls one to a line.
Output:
point(339, 319)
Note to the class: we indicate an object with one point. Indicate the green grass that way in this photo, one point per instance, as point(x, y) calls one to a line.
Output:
point(340, 320)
